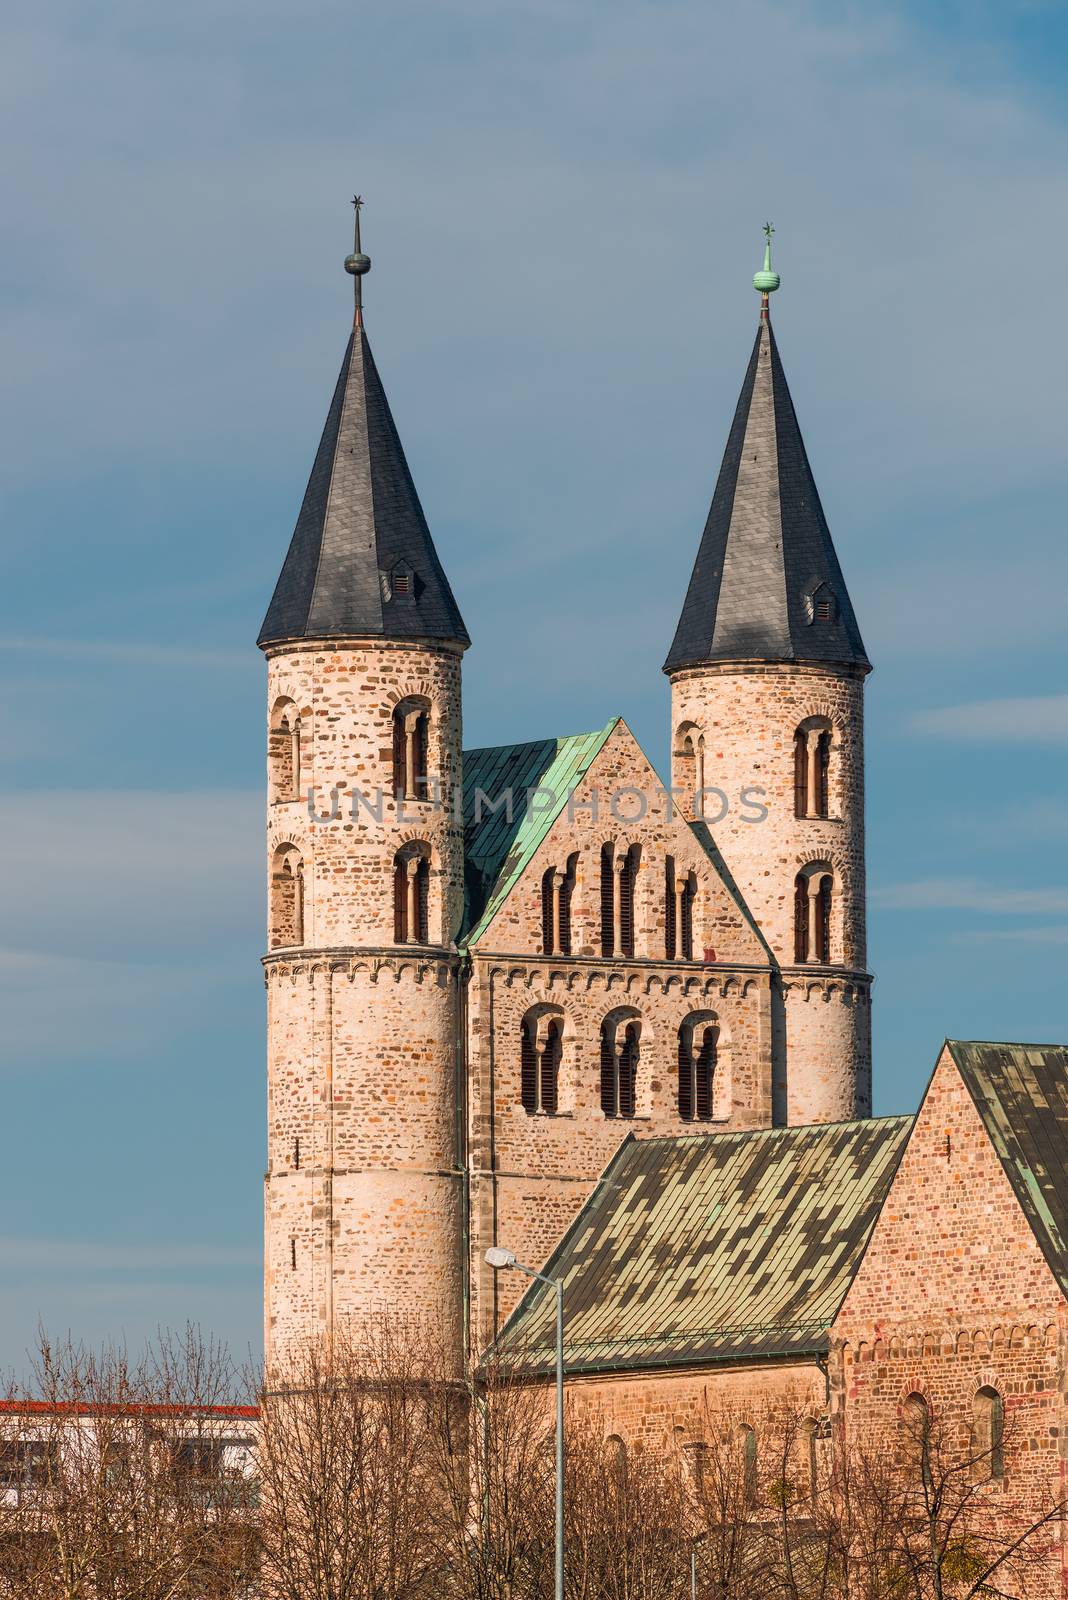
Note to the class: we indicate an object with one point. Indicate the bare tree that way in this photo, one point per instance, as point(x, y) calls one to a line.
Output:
point(349, 1488)
point(115, 1482)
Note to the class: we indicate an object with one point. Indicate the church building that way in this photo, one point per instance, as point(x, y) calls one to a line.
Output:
point(531, 996)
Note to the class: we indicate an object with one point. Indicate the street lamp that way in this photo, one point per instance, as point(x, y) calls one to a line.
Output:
point(498, 1258)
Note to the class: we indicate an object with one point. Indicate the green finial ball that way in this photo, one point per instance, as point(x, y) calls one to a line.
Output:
point(765, 281)
point(357, 264)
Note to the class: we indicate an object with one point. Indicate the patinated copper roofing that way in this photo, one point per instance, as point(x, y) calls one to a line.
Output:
point(1021, 1093)
point(721, 1247)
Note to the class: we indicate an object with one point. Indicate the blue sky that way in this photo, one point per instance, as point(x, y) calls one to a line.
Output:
point(563, 208)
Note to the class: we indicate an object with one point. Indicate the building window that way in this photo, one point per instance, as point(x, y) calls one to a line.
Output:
point(813, 903)
point(620, 1055)
point(608, 900)
point(680, 892)
point(283, 753)
point(411, 740)
point(411, 886)
point(287, 898)
point(697, 1071)
point(541, 1050)
point(821, 605)
point(747, 1454)
point(812, 763)
point(988, 1436)
point(28, 1464)
point(402, 583)
point(556, 891)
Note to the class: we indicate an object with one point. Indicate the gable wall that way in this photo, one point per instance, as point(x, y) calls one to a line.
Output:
point(954, 1293)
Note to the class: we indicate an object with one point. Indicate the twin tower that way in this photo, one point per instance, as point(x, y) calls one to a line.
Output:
point(400, 1055)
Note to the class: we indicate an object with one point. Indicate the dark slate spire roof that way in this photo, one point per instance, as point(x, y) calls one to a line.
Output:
point(766, 559)
point(360, 528)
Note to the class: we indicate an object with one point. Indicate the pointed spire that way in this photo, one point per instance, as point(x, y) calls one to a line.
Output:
point(766, 585)
point(361, 562)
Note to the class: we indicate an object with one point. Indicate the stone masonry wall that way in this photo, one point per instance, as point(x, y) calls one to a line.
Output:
point(530, 1173)
point(747, 714)
point(363, 1204)
point(954, 1294)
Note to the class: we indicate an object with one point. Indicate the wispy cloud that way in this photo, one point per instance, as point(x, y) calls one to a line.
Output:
point(970, 894)
point(129, 652)
point(1024, 719)
point(69, 1255)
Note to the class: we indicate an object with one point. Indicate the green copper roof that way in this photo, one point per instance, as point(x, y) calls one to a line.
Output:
point(499, 843)
point(722, 1247)
point(1021, 1093)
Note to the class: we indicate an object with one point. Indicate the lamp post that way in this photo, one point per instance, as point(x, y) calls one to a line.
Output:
point(498, 1258)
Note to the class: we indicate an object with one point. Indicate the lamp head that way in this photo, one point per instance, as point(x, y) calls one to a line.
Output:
point(496, 1257)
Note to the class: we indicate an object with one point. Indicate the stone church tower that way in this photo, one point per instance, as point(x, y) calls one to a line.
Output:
point(767, 674)
point(363, 641)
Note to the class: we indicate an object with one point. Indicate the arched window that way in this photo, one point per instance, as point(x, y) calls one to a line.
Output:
point(680, 892)
point(810, 1436)
point(411, 740)
point(690, 763)
point(813, 899)
point(541, 1043)
point(627, 873)
point(697, 1071)
point(916, 1431)
point(988, 1435)
point(548, 920)
point(287, 898)
point(620, 1055)
point(556, 891)
point(812, 762)
point(747, 1454)
point(283, 753)
point(608, 900)
point(616, 1452)
point(411, 886)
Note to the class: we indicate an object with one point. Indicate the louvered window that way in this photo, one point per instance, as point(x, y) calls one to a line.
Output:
point(609, 1083)
point(528, 1067)
point(686, 1083)
point(626, 902)
point(550, 1067)
point(547, 938)
point(670, 932)
point(823, 921)
point(420, 777)
point(823, 764)
point(400, 756)
point(563, 937)
point(824, 609)
point(608, 900)
point(686, 909)
point(800, 774)
point(628, 1071)
point(801, 917)
point(704, 1072)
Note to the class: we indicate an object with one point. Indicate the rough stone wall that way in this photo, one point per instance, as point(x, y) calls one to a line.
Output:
point(345, 695)
point(657, 1410)
point(748, 714)
point(954, 1294)
point(622, 771)
point(530, 1173)
point(364, 1186)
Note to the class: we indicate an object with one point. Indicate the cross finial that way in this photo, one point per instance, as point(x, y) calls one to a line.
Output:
point(357, 263)
point(768, 229)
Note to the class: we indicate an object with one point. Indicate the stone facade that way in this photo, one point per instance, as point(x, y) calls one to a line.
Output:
point(734, 728)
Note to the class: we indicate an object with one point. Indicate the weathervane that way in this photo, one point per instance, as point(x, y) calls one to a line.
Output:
point(357, 263)
point(766, 281)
